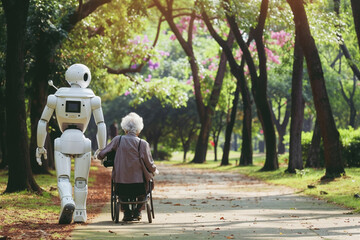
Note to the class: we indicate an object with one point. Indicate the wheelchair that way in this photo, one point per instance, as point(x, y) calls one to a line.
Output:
point(116, 202)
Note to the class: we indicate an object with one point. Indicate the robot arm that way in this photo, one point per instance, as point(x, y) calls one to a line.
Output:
point(42, 125)
point(99, 120)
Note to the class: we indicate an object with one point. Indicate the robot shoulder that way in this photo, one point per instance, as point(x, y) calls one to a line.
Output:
point(95, 102)
point(75, 92)
point(51, 101)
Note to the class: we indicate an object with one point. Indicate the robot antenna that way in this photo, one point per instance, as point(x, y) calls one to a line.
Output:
point(50, 82)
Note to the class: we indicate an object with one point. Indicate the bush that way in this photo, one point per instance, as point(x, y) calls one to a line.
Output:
point(350, 141)
point(163, 155)
point(350, 147)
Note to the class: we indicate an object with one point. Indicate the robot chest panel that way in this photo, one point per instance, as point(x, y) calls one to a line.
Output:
point(73, 113)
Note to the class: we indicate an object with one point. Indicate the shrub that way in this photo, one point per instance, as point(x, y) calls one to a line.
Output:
point(350, 147)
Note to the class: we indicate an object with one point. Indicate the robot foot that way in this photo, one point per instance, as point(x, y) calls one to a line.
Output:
point(67, 214)
point(80, 216)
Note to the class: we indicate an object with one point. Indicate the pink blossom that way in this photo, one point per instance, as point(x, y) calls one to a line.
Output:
point(163, 53)
point(172, 37)
point(281, 37)
point(271, 56)
point(153, 65)
point(126, 93)
point(146, 39)
point(148, 79)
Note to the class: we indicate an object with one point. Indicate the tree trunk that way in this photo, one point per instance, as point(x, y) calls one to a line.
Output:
point(20, 174)
point(356, 14)
point(313, 158)
point(200, 154)
point(246, 157)
point(332, 148)
point(259, 84)
point(204, 112)
point(281, 127)
point(241, 85)
point(297, 110)
point(38, 96)
point(3, 148)
point(230, 126)
point(202, 142)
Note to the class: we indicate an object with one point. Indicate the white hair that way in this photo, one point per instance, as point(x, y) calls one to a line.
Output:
point(132, 123)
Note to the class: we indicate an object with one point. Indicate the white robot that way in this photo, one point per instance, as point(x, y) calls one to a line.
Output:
point(73, 107)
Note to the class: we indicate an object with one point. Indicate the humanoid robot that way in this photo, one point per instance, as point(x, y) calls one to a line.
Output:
point(73, 107)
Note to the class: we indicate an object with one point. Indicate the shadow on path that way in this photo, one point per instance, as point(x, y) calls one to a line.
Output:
point(202, 204)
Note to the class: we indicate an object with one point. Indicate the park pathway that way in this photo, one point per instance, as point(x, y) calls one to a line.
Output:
point(202, 204)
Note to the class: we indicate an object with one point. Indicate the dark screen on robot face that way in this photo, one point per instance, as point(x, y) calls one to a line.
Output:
point(73, 106)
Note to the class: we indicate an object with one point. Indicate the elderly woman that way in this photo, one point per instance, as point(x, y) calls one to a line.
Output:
point(133, 164)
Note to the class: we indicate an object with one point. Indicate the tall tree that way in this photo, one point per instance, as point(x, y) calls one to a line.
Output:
point(205, 111)
point(332, 148)
point(48, 39)
point(3, 154)
point(241, 87)
point(20, 174)
point(356, 14)
point(259, 82)
point(297, 110)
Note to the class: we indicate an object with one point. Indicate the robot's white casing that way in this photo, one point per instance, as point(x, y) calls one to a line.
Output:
point(73, 107)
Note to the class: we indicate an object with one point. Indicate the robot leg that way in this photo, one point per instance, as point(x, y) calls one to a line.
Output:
point(82, 167)
point(63, 170)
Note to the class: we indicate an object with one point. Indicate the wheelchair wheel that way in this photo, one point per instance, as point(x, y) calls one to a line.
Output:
point(148, 209)
point(152, 205)
point(117, 211)
point(113, 200)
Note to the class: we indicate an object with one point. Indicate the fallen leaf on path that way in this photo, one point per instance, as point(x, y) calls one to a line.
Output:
point(222, 218)
point(111, 231)
point(177, 204)
point(145, 234)
point(230, 237)
point(217, 228)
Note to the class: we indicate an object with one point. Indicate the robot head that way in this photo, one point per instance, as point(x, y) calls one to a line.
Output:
point(78, 74)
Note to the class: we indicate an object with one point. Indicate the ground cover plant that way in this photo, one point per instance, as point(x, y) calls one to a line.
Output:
point(26, 215)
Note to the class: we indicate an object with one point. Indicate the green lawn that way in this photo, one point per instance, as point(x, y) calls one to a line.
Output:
point(340, 191)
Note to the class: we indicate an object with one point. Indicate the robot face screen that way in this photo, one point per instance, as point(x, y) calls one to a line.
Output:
point(73, 106)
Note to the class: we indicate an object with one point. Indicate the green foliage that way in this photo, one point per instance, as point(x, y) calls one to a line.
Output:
point(350, 141)
point(168, 90)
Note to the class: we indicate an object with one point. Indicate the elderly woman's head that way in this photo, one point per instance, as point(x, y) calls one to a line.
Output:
point(132, 123)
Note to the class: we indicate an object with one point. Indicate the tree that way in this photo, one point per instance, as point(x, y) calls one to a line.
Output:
point(49, 34)
point(186, 123)
point(3, 155)
point(20, 174)
point(297, 110)
point(332, 151)
point(205, 111)
point(259, 82)
point(356, 14)
point(241, 87)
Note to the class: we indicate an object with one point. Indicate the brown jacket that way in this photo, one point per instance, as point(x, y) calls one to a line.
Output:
point(127, 167)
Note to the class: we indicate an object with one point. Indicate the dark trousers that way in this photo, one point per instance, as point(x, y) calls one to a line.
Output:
point(129, 192)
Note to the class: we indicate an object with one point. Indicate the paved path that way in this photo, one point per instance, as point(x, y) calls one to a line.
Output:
point(201, 204)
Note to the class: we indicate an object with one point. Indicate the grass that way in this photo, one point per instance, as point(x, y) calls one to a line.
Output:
point(24, 212)
point(340, 191)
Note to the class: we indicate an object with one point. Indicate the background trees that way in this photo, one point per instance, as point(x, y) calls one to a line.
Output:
point(163, 58)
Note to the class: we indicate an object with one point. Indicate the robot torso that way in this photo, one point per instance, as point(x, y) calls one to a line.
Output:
point(73, 108)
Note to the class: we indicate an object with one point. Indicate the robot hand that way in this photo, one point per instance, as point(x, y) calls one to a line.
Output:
point(39, 152)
